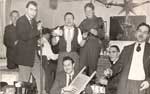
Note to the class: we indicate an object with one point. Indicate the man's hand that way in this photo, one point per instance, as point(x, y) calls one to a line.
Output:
point(108, 72)
point(144, 85)
point(94, 32)
point(40, 42)
point(85, 35)
point(68, 90)
point(39, 26)
point(103, 81)
point(57, 32)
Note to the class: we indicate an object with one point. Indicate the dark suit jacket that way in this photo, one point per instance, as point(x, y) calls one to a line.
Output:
point(9, 41)
point(113, 82)
point(124, 66)
point(27, 35)
point(59, 83)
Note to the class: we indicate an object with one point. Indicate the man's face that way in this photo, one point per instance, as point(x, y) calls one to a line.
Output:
point(69, 20)
point(89, 12)
point(14, 17)
point(113, 53)
point(31, 11)
point(68, 66)
point(142, 33)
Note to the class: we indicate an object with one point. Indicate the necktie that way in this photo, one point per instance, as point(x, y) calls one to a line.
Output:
point(138, 48)
point(31, 22)
point(69, 41)
point(69, 80)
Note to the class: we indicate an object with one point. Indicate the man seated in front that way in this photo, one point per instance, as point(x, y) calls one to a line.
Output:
point(64, 78)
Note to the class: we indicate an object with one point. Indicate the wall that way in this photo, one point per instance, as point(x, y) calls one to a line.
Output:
point(52, 18)
point(2, 24)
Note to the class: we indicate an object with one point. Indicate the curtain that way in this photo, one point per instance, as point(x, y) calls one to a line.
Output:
point(2, 25)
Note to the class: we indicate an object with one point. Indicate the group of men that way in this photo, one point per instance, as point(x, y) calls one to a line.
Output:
point(66, 49)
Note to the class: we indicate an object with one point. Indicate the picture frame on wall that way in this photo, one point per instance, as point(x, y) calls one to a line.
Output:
point(124, 29)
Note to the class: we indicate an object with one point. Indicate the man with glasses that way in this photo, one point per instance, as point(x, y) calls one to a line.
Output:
point(134, 64)
point(114, 53)
point(28, 31)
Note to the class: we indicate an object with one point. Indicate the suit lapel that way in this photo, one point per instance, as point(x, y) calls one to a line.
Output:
point(130, 51)
point(64, 79)
point(28, 22)
point(146, 53)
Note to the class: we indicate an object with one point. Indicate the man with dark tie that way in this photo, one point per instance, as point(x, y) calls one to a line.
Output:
point(28, 32)
point(10, 40)
point(64, 78)
point(134, 64)
point(69, 39)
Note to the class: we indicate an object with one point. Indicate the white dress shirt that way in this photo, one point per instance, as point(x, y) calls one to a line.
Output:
point(68, 36)
point(136, 71)
point(29, 19)
point(47, 50)
point(68, 77)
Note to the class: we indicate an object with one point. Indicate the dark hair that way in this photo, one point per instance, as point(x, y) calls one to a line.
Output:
point(14, 11)
point(46, 31)
point(32, 3)
point(144, 24)
point(68, 58)
point(89, 5)
point(115, 46)
point(3, 84)
point(68, 13)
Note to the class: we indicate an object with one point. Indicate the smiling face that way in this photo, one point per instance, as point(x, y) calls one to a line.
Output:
point(14, 16)
point(31, 11)
point(89, 12)
point(113, 53)
point(68, 66)
point(69, 20)
point(142, 33)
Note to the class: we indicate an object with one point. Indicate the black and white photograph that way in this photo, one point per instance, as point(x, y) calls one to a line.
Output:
point(74, 46)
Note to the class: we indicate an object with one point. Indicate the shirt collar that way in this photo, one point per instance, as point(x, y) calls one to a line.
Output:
point(141, 44)
point(72, 73)
point(28, 17)
point(68, 28)
point(115, 60)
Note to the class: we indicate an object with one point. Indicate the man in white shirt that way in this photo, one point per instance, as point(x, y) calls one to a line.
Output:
point(49, 59)
point(69, 39)
point(64, 78)
point(134, 64)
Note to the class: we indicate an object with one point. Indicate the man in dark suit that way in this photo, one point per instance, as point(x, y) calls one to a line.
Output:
point(10, 40)
point(114, 53)
point(134, 64)
point(28, 32)
point(64, 78)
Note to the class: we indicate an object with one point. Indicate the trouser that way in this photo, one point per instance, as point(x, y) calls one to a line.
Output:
point(133, 87)
point(24, 73)
point(50, 71)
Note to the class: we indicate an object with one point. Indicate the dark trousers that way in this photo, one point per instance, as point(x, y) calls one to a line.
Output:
point(133, 87)
point(50, 72)
point(11, 58)
point(89, 56)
